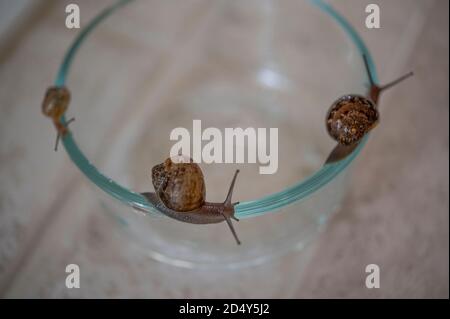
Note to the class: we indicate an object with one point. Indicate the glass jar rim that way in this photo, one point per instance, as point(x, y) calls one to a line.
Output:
point(266, 204)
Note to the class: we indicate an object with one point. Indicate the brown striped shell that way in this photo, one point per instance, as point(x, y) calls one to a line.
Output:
point(179, 185)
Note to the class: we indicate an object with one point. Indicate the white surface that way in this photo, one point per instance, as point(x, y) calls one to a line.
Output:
point(396, 215)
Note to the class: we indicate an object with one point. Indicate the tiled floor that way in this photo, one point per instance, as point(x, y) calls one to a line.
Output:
point(396, 214)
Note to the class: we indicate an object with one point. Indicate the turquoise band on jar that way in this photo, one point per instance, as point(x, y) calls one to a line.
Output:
point(264, 205)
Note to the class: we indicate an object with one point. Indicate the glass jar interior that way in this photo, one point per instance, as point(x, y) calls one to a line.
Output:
point(228, 64)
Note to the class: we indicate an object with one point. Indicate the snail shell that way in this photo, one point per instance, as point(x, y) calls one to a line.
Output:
point(56, 102)
point(350, 118)
point(179, 184)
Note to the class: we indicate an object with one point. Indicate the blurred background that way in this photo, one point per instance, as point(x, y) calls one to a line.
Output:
point(395, 214)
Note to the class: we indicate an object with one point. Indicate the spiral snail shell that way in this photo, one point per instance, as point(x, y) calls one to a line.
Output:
point(56, 102)
point(350, 118)
point(179, 185)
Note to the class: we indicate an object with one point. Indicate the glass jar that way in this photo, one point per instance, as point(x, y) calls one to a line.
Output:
point(149, 67)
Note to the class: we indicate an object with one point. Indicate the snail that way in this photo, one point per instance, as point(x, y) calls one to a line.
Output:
point(55, 104)
point(352, 116)
point(180, 194)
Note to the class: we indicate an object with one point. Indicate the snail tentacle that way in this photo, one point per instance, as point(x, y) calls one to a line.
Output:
point(369, 74)
point(227, 201)
point(397, 81)
point(230, 225)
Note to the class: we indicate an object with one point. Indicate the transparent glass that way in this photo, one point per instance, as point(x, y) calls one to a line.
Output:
point(151, 66)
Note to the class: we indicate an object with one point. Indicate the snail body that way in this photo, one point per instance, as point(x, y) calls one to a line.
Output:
point(180, 194)
point(352, 116)
point(209, 213)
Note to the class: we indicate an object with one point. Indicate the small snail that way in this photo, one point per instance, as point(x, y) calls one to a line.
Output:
point(55, 104)
point(352, 116)
point(180, 194)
